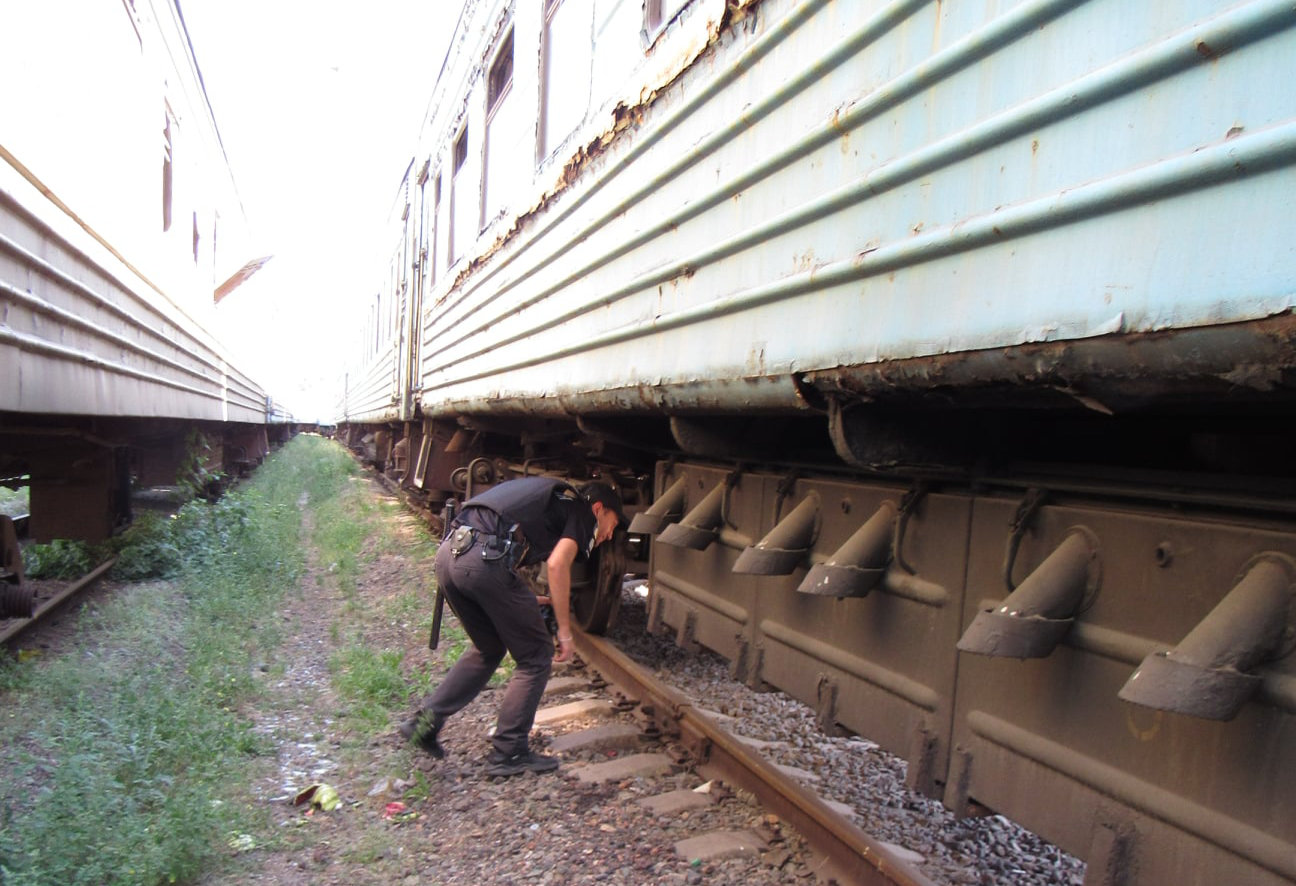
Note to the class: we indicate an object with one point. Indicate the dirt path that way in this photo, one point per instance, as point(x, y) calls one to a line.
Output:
point(456, 825)
point(303, 718)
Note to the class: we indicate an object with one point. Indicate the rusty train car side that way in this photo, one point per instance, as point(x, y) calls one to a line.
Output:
point(119, 226)
point(944, 351)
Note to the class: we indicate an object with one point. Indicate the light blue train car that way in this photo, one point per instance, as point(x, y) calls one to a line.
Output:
point(945, 351)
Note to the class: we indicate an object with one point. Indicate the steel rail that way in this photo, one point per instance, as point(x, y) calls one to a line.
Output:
point(849, 854)
point(53, 603)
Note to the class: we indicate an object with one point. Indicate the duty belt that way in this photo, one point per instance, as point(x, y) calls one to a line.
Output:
point(494, 548)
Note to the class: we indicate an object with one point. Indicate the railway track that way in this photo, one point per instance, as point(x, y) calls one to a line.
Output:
point(48, 599)
point(616, 715)
point(726, 805)
point(838, 850)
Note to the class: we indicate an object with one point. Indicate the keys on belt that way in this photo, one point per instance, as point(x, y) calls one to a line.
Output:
point(461, 539)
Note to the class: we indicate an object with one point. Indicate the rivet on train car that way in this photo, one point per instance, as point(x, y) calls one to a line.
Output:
point(1205, 675)
point(786, 545)
point(668, 508)
point(701, 525)
point(1034, 618)
point(859, 565)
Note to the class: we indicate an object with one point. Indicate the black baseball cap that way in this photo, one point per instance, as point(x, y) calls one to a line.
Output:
point(608, 497)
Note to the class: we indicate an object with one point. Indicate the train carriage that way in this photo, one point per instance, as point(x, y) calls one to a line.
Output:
point(944, 351)
point(120, 228)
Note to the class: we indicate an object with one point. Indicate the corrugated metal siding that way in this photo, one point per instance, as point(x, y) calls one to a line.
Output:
point(841, 184)
point(369, 395)
point(80, 335)
point(108, 264)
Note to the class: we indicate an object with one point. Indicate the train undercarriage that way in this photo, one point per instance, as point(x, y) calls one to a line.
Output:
point(81, 472)
point(1080, 619)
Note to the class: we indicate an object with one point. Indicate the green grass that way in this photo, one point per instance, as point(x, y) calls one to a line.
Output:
point(120, 772)
point(372, 682)
point(350, 530)
point(126, 758)
point(342, 526)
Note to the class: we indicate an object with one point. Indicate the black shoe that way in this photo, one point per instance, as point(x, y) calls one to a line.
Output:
point(422, 730)
point(527, 761)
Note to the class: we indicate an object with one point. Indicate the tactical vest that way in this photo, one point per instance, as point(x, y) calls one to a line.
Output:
point(531, 503)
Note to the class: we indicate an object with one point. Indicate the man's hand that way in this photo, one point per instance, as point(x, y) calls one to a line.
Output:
point(559, 567)
point(565, 649)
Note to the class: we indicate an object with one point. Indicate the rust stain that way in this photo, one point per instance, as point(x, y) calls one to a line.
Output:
point(1205, 50)
point(1121, 369)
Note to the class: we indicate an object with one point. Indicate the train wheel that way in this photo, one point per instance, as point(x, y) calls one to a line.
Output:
point(594, 606)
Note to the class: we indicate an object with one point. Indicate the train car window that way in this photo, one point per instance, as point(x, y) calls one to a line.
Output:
point(509, 142)
point(660, 13)
point(461, 149)
point(567, 53)
point(463, 203)
point(501, 75)
point(166, 170)
point(430, 231)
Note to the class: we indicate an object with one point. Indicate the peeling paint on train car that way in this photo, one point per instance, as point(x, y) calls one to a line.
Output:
point(1109, 373)
point(625, 115)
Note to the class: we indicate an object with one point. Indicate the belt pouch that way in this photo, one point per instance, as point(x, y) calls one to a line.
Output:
point(461, 540)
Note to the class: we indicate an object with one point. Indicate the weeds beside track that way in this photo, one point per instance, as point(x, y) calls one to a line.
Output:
point(120, 741)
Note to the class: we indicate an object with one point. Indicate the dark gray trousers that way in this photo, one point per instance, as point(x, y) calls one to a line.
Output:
point(500, 614)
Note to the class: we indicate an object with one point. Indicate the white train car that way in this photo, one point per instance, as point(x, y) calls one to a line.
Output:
point(119, 224)
point(945, 350)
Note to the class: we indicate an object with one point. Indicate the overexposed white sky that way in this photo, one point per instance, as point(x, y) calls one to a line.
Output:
point(318, 104)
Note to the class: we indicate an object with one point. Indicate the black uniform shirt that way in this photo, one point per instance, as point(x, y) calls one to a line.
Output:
point(545, 511)
point(566, 518)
